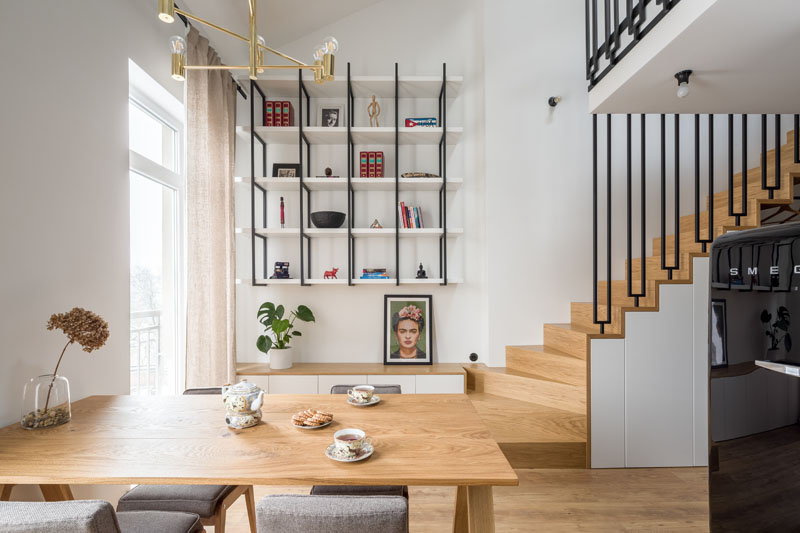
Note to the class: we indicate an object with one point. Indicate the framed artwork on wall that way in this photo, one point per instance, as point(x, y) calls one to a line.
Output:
point(719, 334)
point(408, 329)
point(285, 170)
point(330, 116)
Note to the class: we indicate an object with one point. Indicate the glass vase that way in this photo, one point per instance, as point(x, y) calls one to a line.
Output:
point(45, 402)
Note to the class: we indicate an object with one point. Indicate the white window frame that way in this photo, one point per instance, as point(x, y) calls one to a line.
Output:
point(175, 180)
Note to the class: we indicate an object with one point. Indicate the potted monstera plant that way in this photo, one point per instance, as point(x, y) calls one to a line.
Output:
point(279, 332)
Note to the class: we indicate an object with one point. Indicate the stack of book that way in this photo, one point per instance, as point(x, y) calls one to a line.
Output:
point(374, 273)
point(410, 216)
point(278, 113)
point(371, 165)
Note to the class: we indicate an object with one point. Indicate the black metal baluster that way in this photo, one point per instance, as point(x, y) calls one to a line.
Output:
point(629, 15)
point(677, 195)
point(595, 51)
point(608, 224)
point(350, 167)
point(764, 186)
point(777, 153)
point(643, 236)
point(663, 192)
point(711, 233)
point(607, 21)
point(796, 139)
point(588, 44)
point(594, 221)
point(629, 195)
point(744, 165)
point(697, 238)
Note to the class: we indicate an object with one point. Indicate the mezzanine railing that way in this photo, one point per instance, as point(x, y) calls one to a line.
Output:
point(145, 352)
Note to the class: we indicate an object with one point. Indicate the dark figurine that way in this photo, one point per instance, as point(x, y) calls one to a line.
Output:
point(421, 273)
point(328, 172)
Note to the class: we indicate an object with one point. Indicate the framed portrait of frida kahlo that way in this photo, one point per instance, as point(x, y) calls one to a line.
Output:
point(407, 322)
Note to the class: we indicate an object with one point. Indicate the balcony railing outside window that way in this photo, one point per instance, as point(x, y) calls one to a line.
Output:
point(146, 361)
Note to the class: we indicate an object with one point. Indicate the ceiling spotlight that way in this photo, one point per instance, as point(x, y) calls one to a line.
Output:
point(683, 83)
point(553, 101)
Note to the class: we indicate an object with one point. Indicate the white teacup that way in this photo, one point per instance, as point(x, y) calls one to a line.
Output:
point(361, 393)
point(349, 441)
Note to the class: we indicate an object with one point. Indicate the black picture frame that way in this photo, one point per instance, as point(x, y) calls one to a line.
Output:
point(278, 168)
point(402, 302)
point(718, 333)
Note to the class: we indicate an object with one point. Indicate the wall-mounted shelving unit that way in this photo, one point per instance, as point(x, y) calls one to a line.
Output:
point(305, 137)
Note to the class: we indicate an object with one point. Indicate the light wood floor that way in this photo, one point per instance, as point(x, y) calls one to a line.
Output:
point(641, 499)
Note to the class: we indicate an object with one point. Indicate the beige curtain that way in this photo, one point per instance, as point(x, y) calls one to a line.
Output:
point(210, 301)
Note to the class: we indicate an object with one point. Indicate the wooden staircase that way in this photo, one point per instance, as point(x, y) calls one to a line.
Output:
point(537, 406)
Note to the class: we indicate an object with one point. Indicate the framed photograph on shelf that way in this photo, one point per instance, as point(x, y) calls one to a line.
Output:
point(285, 170)
point(408, 327)
point(719, 334)
point(330, 116)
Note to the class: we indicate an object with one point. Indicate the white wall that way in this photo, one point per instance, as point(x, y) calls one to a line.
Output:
point(419, 36)
point(538, 160)
point(64, 183)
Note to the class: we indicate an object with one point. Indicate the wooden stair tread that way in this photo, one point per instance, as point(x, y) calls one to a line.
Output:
point(539, 348)
point(518, 421)
point(506, 371)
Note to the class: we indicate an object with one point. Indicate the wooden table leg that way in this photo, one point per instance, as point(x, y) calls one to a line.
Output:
point(56, 493)
point(461, 519)
point(480, 505)
point(251, 508)
point(5, 492)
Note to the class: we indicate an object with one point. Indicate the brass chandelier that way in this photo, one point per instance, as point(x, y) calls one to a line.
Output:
point(323, 53)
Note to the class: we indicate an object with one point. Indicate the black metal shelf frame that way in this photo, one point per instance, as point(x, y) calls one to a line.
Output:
point(305, 199)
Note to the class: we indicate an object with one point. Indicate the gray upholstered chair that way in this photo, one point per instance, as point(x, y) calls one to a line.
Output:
point(362, 490)
point(379, 389)
point(324, 514)
point(210, 502)
point(90, 516)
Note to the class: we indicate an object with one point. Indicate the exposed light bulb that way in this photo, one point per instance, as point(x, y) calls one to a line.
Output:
point(177, 45)
point(683, 90)
point(320, 51)
point(331, 45)
point(683, 83)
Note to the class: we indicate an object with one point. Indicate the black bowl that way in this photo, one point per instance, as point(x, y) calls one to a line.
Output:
point(327, 219)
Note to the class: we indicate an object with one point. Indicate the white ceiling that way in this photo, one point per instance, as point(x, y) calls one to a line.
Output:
point(278, 21)
point(745, 56)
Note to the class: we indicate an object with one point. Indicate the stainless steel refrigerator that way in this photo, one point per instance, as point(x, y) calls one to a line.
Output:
point(754, 380)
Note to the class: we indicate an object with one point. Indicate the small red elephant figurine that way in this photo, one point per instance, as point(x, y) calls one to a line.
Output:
point(331, 274)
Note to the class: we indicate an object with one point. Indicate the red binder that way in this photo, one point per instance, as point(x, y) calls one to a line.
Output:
point(288, 114)
point(372, 164)
point(364, 172)
point(268, 113)
point(277, 113)
point(378, 164)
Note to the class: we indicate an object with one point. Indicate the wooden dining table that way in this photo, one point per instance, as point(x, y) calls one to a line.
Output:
point(423, 439)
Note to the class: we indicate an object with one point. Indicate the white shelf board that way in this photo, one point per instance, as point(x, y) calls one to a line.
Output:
point(359, 184)
point(283, 86)
point(417, 135)
point(356, 281)
point(385, 233)
point(361, 135)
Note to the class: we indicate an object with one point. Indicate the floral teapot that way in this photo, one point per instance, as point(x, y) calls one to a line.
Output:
point(243, 403)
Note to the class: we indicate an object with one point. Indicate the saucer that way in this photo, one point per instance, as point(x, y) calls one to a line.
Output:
point(313, 427)
point(375, 399)
point(366, 451)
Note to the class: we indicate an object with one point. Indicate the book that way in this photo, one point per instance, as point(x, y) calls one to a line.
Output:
point(378, 164)
point(421, 223)
point(288, 114)
point(268, 113)
point(404, 214)
point(372, 164)
point(277, 113)
point(425, 122)
point(364, 172)
point(373, 270)
point(416, 217)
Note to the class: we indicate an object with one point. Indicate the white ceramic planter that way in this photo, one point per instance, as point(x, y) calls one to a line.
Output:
point(281, 359)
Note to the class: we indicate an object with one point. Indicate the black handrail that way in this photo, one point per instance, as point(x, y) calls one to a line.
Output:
point(612, 49)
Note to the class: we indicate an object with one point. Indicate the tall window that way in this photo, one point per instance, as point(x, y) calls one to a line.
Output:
point(157, 191)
